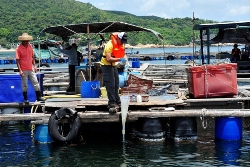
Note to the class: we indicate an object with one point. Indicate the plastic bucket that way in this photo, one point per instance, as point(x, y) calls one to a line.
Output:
point(90, 89)
point(42, 134)
point(104, 92)
point(228, 128)
point(136, 64)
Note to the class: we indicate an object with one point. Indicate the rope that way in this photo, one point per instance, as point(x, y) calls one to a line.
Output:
point(203, 118)
point(206, 80)
point(33, 126)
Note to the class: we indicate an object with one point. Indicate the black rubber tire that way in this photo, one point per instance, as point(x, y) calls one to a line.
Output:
point(170, 57)
point(61, 61)
point(147, 58)
point(68, 131)
point(43, 65)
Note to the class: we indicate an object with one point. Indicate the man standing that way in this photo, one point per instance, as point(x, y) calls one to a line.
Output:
point(114, 51)
point(27, 67)
point(73, 62)
point(235, 54)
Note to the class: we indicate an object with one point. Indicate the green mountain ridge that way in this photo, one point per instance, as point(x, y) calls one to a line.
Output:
point(32, 16)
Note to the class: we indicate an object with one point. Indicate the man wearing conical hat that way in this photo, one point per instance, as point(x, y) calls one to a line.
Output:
point(27, 66)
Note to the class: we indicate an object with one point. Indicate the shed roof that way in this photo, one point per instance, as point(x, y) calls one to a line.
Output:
point(231, 32)
point(96, 28)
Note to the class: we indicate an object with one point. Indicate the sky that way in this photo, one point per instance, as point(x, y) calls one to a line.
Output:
point(216, 10)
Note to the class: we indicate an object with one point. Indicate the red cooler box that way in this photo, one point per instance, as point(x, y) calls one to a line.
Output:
point(212, 80)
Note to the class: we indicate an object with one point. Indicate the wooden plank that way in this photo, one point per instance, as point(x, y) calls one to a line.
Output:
point(26, 116)
point(19, 104)
point(56, 84)
point(69, 104)
point(217, 99)
point(99, 116)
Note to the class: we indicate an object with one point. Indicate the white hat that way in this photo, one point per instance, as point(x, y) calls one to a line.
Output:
point(123, 36)
point(25, 37)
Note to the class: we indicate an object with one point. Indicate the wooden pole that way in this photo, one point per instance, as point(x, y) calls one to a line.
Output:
point(89, 52)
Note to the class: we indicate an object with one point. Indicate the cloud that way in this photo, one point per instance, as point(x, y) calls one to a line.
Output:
point(217, 10)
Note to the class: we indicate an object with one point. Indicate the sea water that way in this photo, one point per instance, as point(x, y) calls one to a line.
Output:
point(17, 148)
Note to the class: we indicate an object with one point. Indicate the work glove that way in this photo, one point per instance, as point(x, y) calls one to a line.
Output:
point(123, 60)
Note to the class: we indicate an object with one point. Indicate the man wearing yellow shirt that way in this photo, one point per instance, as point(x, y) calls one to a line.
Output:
point(114, 52)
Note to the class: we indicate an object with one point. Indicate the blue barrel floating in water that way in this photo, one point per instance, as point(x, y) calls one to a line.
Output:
point(183, 58)
point(13, 61)
point(85, 60)
point(228, 128)
point(1, 61)
point(56, 61)
point(42, 134)
point(49, 61)
point(135, 59)
point(151, 58)
point(6, 62)
point(44, 61)
point(136, 64)
point(191, 57)
point(90, 89)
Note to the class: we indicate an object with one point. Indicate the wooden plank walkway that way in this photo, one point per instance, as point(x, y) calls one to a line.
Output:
point(104, 116)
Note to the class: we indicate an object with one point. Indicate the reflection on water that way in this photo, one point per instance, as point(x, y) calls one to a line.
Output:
point(17, 148)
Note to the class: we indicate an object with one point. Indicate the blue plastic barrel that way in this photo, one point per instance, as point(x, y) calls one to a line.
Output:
point(90, 89)
point(191, 57)
point(135, 59)
point(136, 64)
point(1, 61)
point(27, 109)
point(123, 77)
point(56, 61)
point(42, 134)
point(183, 58)
point(13, 61)
point(228, 128)
point(48, 61)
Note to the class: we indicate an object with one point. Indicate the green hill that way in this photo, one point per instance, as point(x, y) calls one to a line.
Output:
point(33, 15)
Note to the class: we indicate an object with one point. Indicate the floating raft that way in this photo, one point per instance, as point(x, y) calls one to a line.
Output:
point(98, 116)
point(95, 109)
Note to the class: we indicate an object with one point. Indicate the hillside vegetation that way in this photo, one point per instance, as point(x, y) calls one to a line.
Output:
point(34, 15)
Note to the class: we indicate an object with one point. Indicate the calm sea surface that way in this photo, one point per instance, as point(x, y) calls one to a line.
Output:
point(17, 147)
point(141, 51)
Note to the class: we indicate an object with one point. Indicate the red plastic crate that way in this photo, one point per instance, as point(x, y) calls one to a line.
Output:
point(212, 80)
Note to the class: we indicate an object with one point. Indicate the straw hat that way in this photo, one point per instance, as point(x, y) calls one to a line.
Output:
point(25, 37)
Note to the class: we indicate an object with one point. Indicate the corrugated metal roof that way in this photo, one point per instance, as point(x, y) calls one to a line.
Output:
point(221, 25)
